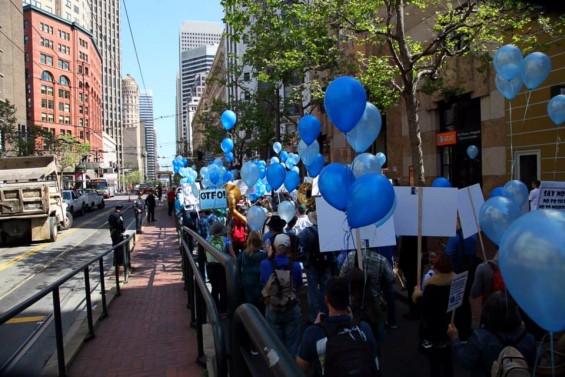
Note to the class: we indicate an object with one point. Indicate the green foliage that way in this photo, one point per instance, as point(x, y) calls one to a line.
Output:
point(69, 150)
point(8, 123)
point(132, 178)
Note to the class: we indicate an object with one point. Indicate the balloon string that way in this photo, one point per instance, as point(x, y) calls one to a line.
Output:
point(557, 141)
point(511, 142)
point(538, 353)
point(551, 349)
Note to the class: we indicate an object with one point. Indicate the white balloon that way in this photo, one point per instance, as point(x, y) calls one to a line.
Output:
point(286, 210)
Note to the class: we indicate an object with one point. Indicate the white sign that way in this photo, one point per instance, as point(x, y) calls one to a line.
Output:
point(210, 199)
point(552, 195)
point(457, 291)
point(439, 211)
point(334, 235)
point(469, 202)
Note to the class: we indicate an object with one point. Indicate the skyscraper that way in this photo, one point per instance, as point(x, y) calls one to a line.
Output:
point(134, 134)
point(77, 11)
point(146, 118)
point(199, 33)
point(106, 29)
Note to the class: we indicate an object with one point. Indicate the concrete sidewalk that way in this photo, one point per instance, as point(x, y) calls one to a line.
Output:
point(147, 332)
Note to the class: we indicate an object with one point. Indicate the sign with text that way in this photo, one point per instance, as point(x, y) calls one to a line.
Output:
point(446, 138)
point(552, 195)
point(457, 291)
point(211, 199)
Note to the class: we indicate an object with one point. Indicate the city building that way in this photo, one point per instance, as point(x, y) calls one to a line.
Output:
point(203, 36)
point(12, 71)
point(134, 133)
point(77, 11)
point(195, 64)
point(106, 29)
point(146, 118)
point(63, 80)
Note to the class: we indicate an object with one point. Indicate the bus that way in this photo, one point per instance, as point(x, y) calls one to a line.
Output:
point(103, 186)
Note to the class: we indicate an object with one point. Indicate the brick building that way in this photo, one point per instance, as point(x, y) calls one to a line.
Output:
point(63, 79)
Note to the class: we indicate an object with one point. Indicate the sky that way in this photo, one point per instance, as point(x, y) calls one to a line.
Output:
point(155, 26)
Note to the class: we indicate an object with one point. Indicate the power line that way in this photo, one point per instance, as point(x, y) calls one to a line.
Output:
point(134, 46)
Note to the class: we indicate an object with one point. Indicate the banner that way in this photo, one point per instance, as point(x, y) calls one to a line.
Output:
point(211, 199)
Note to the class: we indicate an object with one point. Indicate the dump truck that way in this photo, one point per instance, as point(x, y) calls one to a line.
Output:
point(31, 207)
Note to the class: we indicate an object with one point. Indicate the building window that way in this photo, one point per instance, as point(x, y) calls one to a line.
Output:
point(48, 90)
point(26, 58)
point(26, 39)
point(44, 117)
point(46, 76)
point(64, 93)
point(64, 65)
point(63, 80)
point(46, 59)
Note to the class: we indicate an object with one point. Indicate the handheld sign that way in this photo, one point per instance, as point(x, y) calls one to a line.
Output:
point(457, 291)
point(211, 199)
point(552, 195)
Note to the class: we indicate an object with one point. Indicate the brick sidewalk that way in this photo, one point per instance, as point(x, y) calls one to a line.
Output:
point(147, 332)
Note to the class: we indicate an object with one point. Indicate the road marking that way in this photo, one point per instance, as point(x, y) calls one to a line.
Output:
point(37, 248)
point(38, 318)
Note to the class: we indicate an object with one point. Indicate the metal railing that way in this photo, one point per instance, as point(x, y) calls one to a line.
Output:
point(53, 288)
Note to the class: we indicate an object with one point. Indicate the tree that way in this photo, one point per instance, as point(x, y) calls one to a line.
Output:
point(8, 122)
point(132, 178)
point(69, 151)
point(390, 63)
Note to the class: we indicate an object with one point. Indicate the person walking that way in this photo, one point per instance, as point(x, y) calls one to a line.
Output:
point(150, 203)
point(171, 196)
point(117, 229)
point(139, 211)
point(302, 221)
point(214, 270)
point(533, 197)
point(249, 262)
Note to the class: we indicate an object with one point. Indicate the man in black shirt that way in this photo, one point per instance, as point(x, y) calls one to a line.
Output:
point(150, 202)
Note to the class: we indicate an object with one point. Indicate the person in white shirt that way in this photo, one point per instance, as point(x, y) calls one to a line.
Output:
point(302, 222)
point(534, 195)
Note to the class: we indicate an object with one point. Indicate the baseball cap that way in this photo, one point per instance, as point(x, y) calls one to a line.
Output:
point(282, 240)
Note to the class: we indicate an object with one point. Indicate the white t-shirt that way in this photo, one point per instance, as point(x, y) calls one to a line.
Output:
point(533, 198)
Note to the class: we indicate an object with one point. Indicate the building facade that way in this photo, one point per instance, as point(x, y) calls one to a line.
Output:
point(12, 77)
point(77, 11)
point(106, 29)
point(199, 33)
point(134, 134)
point(63, 80)
point(146, 117)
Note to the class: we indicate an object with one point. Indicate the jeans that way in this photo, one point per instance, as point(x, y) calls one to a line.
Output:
point(139, 221)
point(287, 327)
point(317, 279)
point(150, 213)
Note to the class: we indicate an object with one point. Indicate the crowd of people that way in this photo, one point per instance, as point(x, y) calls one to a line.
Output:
point(354, 293)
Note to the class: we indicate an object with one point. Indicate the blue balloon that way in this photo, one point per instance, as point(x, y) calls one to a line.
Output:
point(276, 174)
point(274, 160)
point(441, 182)
point(517, 191)
point(535, 68)
point(370, 199)
point(496, 215)
point(295, 169)
point(291, 181)
point(255, 218)
point(497, 191)
point(284, 156)
point(228, 119)
point(228, 176)
point(381, 158)
point(184, 180)
point(277, 147)
point(507, 60)
point(227, 145)
point(531, 258)
point(229, 156)
point(250, 173)
point(214, 177)
point(334, 183)
point(286, 210)
point(365, 163)
point(366, 131)
point(508, 88)
point(345, 102)
point(308, 152)
point(472, 151)
point(556, 109)
point(316, 166)
point(184, 161)
point(388, 215)
point(309, 128)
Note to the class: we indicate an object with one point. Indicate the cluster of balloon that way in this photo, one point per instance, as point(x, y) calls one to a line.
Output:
point(531, 258)
point(253, 174)
point(180, 166)
point(277, 174)
point(215, 174)
point(309, 128)
point(513, 71)
point(502, 208)
point(179, 162)
point(228, 119)
point(366, 196)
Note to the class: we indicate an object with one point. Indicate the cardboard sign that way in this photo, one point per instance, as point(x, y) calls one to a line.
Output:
point(211, 199)
point(439, 211)
point(457, 291)
point(334, 235)
point(469, 202)
point(552, 195)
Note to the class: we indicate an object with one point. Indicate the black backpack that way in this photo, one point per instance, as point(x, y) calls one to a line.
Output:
point(314, 256)
point(348, 352)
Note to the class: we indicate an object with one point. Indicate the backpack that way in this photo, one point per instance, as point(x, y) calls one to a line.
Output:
point(510, 363)
point(347, 352)
point(279, 294)
point(315, 257)
point(219, 244)
point(497, 281)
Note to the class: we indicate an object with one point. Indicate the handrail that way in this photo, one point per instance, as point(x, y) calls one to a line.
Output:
point(249, 326)
point(54, 289)
point(211, 309)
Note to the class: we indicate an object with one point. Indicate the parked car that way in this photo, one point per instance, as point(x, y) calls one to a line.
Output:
point(93, 199)
point(76, 203)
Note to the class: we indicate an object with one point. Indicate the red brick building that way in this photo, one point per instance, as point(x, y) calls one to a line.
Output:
point(63, 70)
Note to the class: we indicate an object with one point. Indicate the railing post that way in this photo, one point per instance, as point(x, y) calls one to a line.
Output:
point(125, 259)
point(200, 312)
point(90, 334)
point(103, 288)
point(59, 332)
point(117, 274)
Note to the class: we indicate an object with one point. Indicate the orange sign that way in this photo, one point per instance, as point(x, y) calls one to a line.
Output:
point(446, 138)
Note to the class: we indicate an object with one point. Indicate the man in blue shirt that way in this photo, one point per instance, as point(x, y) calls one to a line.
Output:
point(285, 323)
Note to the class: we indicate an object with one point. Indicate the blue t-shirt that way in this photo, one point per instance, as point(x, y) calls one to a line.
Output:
point(280, 261)
point(313, 341)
